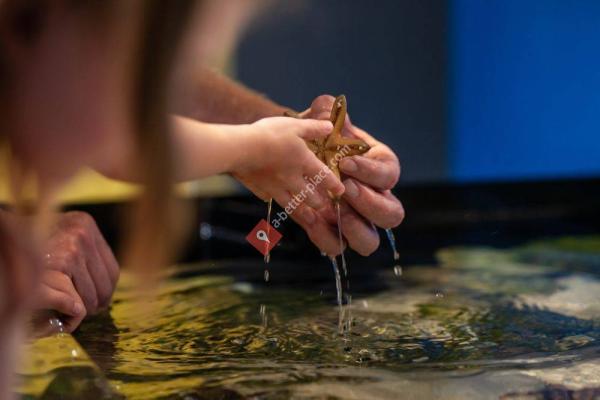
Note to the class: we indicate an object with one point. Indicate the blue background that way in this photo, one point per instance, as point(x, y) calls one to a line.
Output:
point(524, 89)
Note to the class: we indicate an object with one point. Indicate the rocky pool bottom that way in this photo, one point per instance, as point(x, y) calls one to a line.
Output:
point(521, 323)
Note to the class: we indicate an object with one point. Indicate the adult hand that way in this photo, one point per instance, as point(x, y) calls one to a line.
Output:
point(80, 271)
point(368, 196)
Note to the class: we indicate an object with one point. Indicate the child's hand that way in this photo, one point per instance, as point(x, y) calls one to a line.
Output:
point(276, 162)
point(80, 271)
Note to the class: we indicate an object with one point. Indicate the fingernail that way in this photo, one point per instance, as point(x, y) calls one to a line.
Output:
point(78, 309)
point(308, 216)
point(348, 165)
point(351, 188)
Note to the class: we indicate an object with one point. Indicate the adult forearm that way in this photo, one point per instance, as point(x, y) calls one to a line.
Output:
point(212, 97)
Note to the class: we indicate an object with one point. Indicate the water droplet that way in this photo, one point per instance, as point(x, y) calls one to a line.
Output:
point(338, 281)
point(205, 231)
point(266, 275)
point(398, 270)
point(365, 304)
point(57, 325)
point(341, 239)
point(74, 353)
point(439, 295)
point(267, 257)
point(392, 240)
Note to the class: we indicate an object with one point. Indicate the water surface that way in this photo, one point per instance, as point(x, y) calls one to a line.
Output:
point(480, 323)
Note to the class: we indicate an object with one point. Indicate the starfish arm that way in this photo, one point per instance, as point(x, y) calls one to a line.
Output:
point(350, 146)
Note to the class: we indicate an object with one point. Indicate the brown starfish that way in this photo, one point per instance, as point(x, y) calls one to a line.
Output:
point(334, 147)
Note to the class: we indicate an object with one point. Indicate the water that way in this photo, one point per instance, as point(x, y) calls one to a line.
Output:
point(267, 252)
point(341, 240)
point(339, 296)
point(479, 323)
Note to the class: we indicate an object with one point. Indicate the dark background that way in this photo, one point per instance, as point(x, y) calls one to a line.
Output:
point(462, 90)
point(386, 56)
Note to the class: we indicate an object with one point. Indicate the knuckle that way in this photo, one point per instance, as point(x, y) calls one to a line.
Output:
point(73, 253)
point(93, 304)
point(65, 302)
point(323, 101)
point(81, 217)
point(81, 235)
point(104, 297)
point(64, 279)
point(89, 300)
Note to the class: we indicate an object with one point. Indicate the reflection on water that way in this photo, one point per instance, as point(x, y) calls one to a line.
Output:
point(482, 324)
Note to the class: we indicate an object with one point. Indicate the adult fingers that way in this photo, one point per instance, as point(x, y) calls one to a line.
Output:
point(95, 266)
point(72, 263)
point(361, 235)
point(316, 227)
point(99, 274)
point(319, 231)
point(381, 173)
point(381, 208)
point(106, 255)
point(67, 303)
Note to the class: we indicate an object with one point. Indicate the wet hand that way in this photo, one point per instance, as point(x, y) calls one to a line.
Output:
point(80, 271)
point(368, 195)
point(276, 163)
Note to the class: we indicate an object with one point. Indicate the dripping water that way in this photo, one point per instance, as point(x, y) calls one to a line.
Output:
point(348, 322)
point(267, 252)
point(390, 235)
point(263, 316)
point(341, 239)
point(338, 287)
point(398, 270)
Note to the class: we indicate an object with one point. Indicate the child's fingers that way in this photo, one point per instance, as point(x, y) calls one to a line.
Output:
point(309, 129)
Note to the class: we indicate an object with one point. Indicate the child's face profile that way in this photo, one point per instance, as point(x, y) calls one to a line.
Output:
point(71, 88)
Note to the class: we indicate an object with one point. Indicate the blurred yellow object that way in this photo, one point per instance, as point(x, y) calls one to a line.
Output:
point(89, 186)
